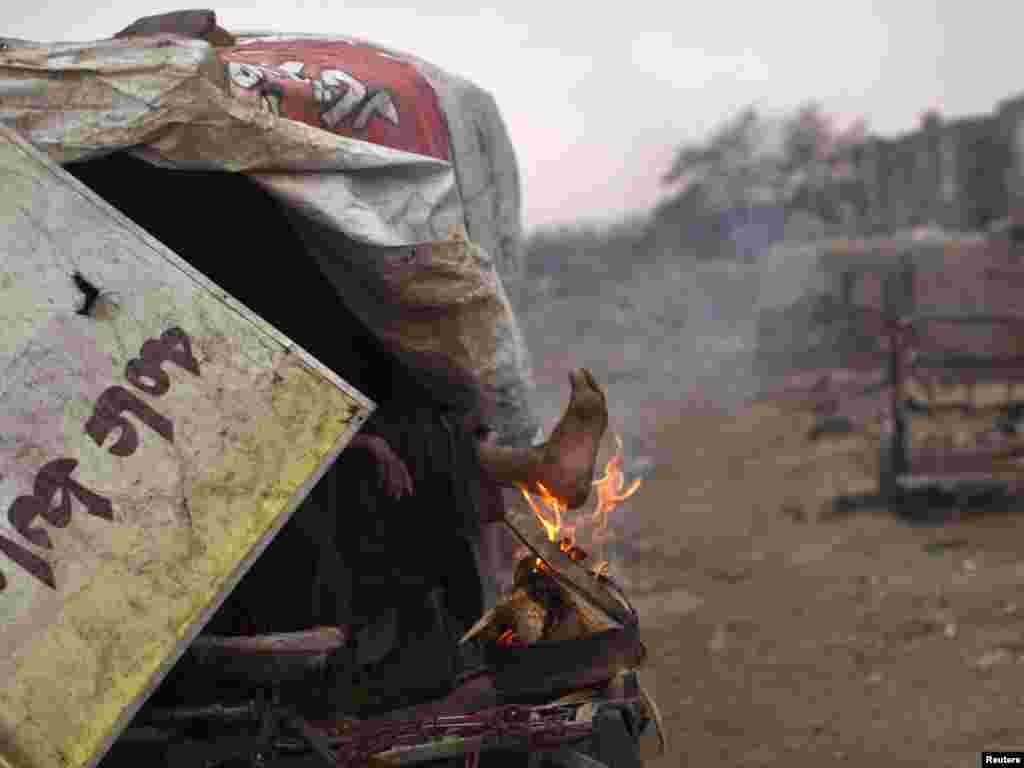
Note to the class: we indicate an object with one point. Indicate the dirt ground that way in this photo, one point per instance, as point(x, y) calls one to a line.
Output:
point(782, 635)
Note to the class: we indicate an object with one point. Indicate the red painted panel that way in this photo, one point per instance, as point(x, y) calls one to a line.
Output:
point(348, 89)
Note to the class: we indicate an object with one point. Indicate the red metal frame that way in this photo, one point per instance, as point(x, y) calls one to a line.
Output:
point(913, 351)
point(907, 468)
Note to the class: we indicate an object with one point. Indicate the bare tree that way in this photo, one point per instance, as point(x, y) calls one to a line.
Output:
point(801, 162)
point(816, 162)
point(735, 166)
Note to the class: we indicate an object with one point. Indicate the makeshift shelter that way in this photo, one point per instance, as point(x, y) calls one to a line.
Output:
point(401, 177)
point(347, 198)
point(395, 179)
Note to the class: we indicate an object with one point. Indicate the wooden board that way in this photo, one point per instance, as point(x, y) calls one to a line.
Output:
point(524, 525)
point(149, 451)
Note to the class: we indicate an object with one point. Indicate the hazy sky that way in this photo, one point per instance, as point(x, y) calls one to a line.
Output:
point(596, 98)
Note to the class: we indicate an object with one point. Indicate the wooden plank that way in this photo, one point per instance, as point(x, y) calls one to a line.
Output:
point(149, 451)
point(524, 525)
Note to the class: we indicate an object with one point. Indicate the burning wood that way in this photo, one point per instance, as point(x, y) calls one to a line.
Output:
point(559, 591)
point(540, 609)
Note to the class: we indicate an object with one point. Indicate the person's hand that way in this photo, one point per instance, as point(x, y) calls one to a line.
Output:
point(392, 473)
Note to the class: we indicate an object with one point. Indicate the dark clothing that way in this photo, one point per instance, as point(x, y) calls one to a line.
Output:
point(349, 550)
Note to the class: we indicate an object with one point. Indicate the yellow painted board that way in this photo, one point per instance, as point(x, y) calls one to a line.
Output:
point(149, 451)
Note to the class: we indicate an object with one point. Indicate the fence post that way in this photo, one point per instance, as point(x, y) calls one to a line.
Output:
point(893, 450)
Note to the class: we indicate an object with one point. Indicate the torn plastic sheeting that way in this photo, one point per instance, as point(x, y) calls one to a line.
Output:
point(409, 302)
point(394, 290)
point(445, 298)
point(171, 96)
point(485, 163)
point(486, 168)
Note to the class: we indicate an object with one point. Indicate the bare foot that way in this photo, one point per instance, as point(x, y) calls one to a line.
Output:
point(569, 455)
point(564, 465)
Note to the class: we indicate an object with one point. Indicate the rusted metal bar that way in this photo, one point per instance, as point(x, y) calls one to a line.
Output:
point(967, 318)
point(217, 712)
point(570, 758)
point(963, 461)
point(1004, 273)
point(510, 727)
point(316, 738)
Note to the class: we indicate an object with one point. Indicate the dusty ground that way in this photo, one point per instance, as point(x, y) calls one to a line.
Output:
point(780, 635)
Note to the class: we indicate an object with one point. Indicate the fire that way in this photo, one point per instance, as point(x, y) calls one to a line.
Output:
point(553, 516)
point(507, 637)
point(611, 489)
point(552, 512)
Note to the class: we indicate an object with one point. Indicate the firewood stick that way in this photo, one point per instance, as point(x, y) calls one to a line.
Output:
point(659, 722)
point(479, 627)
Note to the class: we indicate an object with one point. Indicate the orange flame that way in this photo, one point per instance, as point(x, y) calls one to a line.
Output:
point(553, 516)
point(611, 490)
point(552, 512)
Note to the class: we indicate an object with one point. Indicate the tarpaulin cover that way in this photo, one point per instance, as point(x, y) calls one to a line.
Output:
point(402, 176)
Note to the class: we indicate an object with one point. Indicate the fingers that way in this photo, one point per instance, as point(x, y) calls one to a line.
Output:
point(391, 485)
point(592, 382)
point(577, 379)
point(404, 479)
point(386, 480)
point(583, 378)
point(392, 475)
point(395, 479)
